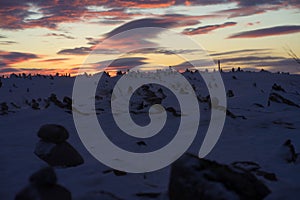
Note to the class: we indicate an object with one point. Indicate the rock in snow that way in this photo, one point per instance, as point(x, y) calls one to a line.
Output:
point(193, 178)
point(53, 133)
point(43, 186)
point(54, 149)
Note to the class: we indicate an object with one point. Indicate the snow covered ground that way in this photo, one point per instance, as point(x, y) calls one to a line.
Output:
point(264, 117)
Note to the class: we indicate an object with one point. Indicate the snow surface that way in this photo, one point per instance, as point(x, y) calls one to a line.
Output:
point(258, 137)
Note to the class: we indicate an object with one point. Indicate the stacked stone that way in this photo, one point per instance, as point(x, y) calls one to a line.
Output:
point(43, 186)
point(54, 149)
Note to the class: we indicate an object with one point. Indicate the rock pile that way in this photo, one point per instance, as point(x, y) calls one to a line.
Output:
point(43, 186)
point(54, 149)
point(193, 178)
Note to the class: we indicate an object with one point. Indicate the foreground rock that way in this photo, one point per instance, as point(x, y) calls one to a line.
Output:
point(43, 186)
point(53, 133)
point(194, 179)
point(54, 149)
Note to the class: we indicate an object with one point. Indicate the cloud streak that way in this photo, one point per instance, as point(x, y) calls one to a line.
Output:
point(75, 51)
point(8, 58)
point(60, 35)
point(207, 29)
point(272, 31)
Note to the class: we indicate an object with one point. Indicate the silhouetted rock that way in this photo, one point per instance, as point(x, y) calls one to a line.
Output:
point(254, 168)
point(230, 114)
point(274, 97)
point(53, 148)
point(53, 98)
point(277, 88)
point(53, 133)
point(290, 154)
point(152, 195)
point(68, 102)
point(35, 105)
point(43, 187)
point(173, 111)
point(141, 143)
point(230, 93)
point(4, 108)
point(62, 154)
point(44, 177)
point(193, 178)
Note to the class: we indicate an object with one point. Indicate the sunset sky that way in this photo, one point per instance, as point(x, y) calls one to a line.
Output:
point(49, 36)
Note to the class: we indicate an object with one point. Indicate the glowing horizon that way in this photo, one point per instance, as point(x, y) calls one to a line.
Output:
point(52, 37)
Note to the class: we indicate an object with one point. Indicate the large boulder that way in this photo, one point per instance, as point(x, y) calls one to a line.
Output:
point(195, 179)
point(53, 133)
point(43, 186)
point(62, 155)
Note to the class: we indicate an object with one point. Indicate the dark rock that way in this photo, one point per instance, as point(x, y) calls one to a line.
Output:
point(230, 93)
point(193, 178)
point(3, 108)
point(267, 175)
point(15, 105)
point(173, 111)
point(141, 143)
point(258, 105)
point(277, 88)
point(44, 177)
point(53, 98)
point(230, 114)
point(280, 99)
point(35, 105)
point(152, 195)
point(53, 133)
point(254, 168)
point(292, 155)
point(68, 102)
point(43, 187)
point(246, 165)
point(119, 173)
point(62, 154)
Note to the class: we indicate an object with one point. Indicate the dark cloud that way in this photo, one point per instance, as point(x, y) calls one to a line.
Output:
point(60, 35)
point(200, 63)
point(8, 70)
point(245, 3)
point(18, 15)
point(120, 64)
point(55, 60)
point(92, 41)
point(256, 51)
point(8, 58)
point(75, 51)
point(164, 51)
point(207, 29)
point(142, 23)
point(7, 42)
point(273, 31)
point(248, 59)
